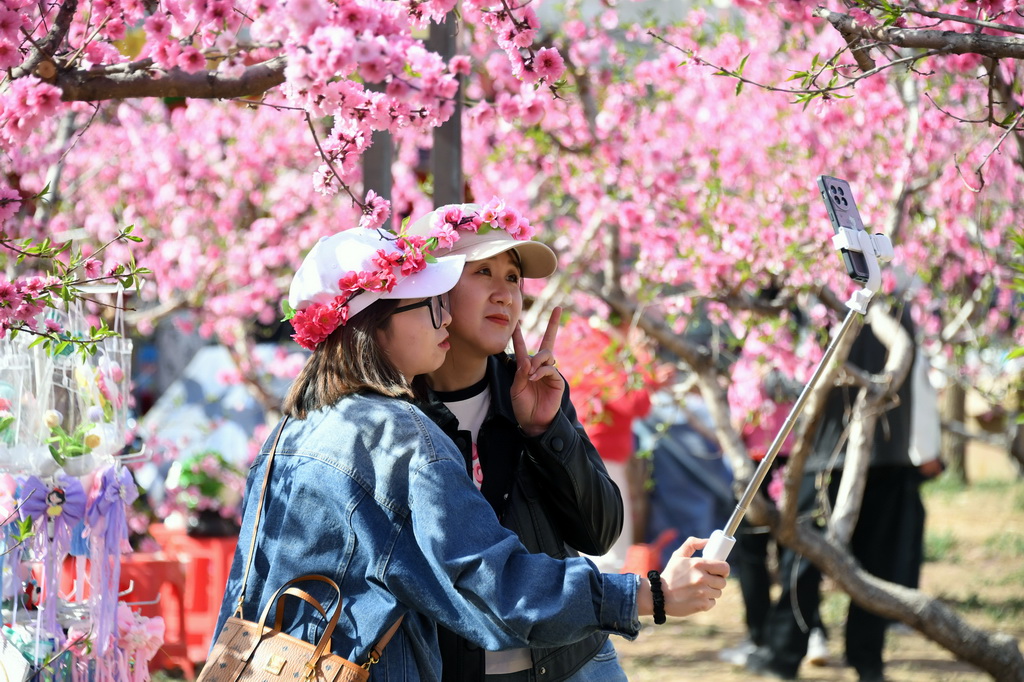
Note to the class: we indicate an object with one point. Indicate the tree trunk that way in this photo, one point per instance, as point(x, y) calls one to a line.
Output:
point(377, 160)
point(1017, 444)
point(954, 444)
point(446, 157)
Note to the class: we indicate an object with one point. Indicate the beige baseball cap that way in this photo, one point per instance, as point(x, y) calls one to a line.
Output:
point(538, 260)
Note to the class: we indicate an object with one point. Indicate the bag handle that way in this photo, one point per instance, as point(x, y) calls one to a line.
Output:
point(375, 651)
point(325, 639)
point(304, 596)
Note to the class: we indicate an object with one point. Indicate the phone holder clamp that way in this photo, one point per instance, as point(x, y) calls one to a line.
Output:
point(877, 248)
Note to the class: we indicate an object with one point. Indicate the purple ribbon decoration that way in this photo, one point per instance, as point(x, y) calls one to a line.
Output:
point(59, 505)
point(113, 491)
point(107, 519)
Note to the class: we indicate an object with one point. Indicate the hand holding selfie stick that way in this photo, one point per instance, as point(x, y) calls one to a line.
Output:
point(862, 253)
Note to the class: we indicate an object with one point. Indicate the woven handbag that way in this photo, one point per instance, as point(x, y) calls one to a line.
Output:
point(247, 651)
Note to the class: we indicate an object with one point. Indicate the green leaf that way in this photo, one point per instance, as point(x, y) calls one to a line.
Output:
point(24, 529)
point(743, 63)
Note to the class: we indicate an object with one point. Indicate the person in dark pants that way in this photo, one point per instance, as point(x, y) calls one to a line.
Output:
point(761, 398)
point(887, 540)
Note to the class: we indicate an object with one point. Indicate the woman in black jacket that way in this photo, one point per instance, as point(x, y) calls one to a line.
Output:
point(512, 419)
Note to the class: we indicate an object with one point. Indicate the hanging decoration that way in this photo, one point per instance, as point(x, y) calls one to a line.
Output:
point(64, 498)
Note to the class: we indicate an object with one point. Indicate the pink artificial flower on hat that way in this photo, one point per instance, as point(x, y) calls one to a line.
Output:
point(414, 260)
point(315, 323)
point(388, 259)
point(350, 282)
point(446, 235)
point(508, 220)
point(452, 215)
point(379, 280)
point(489, 213)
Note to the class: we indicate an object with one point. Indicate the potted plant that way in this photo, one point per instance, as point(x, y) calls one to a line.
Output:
point(206, 489)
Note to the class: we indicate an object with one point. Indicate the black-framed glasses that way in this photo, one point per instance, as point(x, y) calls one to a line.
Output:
point(435, 303)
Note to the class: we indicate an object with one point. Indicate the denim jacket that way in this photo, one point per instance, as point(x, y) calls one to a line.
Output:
point(552, 490)
point(373, 495)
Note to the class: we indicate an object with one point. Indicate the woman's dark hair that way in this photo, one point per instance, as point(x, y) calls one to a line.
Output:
point(349, 361)
point(517, 259)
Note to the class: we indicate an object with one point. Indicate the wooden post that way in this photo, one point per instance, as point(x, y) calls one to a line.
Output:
point(446, 157)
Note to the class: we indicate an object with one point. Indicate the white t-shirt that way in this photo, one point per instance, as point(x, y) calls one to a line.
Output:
point(470, 405)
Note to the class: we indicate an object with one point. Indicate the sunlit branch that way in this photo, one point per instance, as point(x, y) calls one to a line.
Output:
point(915, 9)
point(946, 42)
point(90, 86)
point(797, 91)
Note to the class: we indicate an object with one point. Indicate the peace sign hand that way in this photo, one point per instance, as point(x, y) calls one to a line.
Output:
point(538, 387)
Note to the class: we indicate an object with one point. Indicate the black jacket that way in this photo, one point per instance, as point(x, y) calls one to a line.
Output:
point(891, 445)
point(551, 490)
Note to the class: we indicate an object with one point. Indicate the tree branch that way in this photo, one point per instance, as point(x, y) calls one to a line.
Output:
point(54, 36)
point(91, 86)
point(998, 654)
point(867, 409)
point(915, 9)
point(948, 42)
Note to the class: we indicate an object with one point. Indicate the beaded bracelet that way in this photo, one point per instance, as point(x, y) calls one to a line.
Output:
point(657, 596)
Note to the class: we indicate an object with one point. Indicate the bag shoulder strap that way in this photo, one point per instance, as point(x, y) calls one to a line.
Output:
point(259, 513)
point(377, 649)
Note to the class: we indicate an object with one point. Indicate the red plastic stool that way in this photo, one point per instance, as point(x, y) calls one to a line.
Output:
point(208, 561)
point(644, 557)
point(156, 584)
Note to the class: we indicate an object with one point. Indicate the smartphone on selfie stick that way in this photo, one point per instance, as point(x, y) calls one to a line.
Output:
point(862, 252)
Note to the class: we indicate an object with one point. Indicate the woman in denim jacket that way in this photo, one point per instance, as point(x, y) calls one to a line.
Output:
point(368, 492)
point(523, 445)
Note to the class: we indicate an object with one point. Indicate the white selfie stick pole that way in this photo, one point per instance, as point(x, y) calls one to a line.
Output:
point(876, 248)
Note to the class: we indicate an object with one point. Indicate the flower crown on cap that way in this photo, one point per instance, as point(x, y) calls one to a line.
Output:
point(314, 322)
point(448, 221)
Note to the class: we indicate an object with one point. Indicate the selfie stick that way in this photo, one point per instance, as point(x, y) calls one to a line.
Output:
point(876, 248)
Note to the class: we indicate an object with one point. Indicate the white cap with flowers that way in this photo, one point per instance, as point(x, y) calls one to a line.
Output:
point(344, 273)
point(478, 232)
